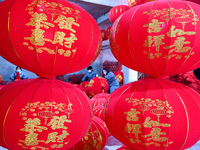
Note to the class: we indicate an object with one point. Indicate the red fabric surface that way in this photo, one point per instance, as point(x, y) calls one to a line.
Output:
point(116, 11)
point(98, 101)
point(102, 95)
point(108, 32)
point(42, 114)
point(97, 85)
point(163, 42)
point(99, 111)
point(49, 38)
point(96, 137)
point(154, 114)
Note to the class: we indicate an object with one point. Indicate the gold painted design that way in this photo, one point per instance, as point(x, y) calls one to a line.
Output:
point(154, 26)
point(181, 47)
point(93, 140)
point(41, 22)
point(39, 117)
point(155, 130)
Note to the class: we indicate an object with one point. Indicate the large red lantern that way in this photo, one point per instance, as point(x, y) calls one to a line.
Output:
point(154, 114)
point(116, 11)
point(97, 85)
point(163, 42)
point(42, 114)
point(48, 37)
point(96, 137)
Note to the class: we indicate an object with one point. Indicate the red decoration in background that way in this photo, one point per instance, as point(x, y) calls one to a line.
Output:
point(49, 36)
point(102, 95)
point(132, 3)
point(151, 45)
point(1, 78)
point(75, 78)
point(108, 32)
point(187, 78)
point(98, 101)
point(195, 1)
point(154, 114)
point(42, 113)
point(99, 111)
point(113, 66)
point(96, 137)
point(120, 76)
point(97, 85)
point(116, 11)
point(104, 35)
point(17, 77)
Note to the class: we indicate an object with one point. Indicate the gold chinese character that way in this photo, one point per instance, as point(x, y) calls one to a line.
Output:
point(157, 41)
point(60, 38)
point(154, 26)
point(178, 44)
point(39, 20)
point(133, 128)
point(132, 115)
point(152, 123)
point(31, 139)
point(177, 32)
point(58, 122)
point(155, 135)
point(37, 37)
point(66, 23)
point(33, 125)
point(53, 136)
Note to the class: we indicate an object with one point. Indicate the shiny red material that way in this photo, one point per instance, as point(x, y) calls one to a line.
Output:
point(99, 111)
point(120, 76)
point(104, 35)
point(108, 32)
point(42, 114)
point(98, 101)
point(96, 137)
point(102, 95)
point(48, 37)
point(154, 114)
point(163, 42)
point(116, 11)
point(97, 85)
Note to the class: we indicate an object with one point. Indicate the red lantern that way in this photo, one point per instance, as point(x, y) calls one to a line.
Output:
point(99, 111)
point(195, 1)
point(132, 3)
point(96, 137)
point(116, 11)
point(42, 114)
point(47, 37)
point(97, 85)
point(163, 42)
point(108, 32)
point(154, 114)
point(104, 35)
point(80, 87)
point(102, 95)
point(98, 101)
point(120, 76)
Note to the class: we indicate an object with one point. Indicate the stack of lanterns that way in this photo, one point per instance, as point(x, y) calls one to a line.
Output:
point(47, 37)
point(153, 113)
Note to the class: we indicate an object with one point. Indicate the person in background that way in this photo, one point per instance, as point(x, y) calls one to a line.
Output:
point(111, 78)
point(197, 73)
point(18, 74)
point(89, 75)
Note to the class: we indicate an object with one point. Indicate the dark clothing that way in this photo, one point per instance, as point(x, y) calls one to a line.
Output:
point(22, 75)
point(112, 81)
point(197, 73)
point(89, 76)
